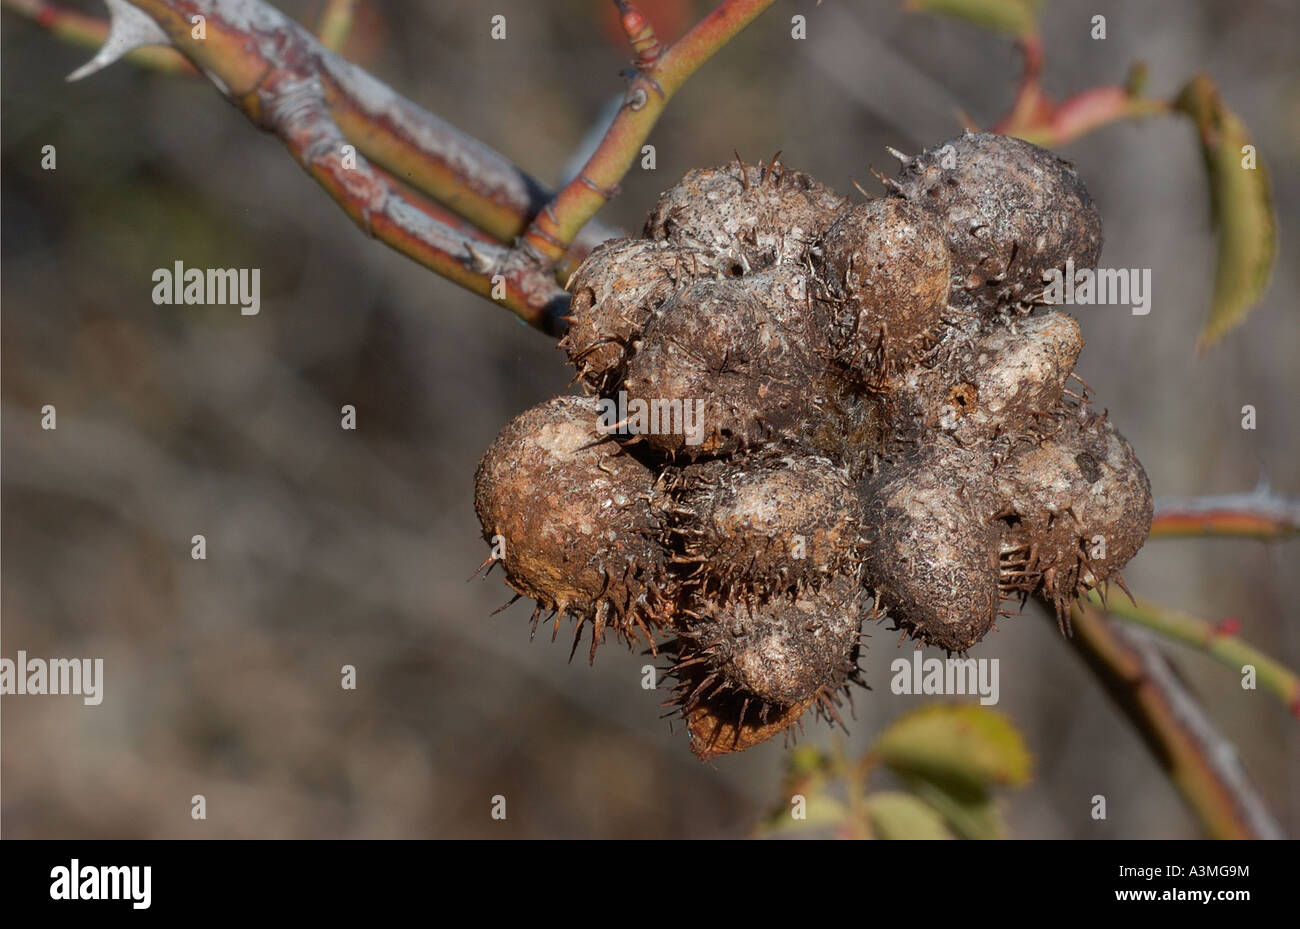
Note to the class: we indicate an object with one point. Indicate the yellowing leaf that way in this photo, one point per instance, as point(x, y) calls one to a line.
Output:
point(1012, 17)
point(895, 815)
point(1241, 209)
point(961, 747)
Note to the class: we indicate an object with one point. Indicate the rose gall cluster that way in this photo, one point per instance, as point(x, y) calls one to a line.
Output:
point(887, 431)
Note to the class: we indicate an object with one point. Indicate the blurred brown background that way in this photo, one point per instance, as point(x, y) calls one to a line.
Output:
point(328, 547)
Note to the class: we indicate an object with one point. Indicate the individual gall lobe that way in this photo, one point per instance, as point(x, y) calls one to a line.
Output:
point(567, 510)
point(1011, 212)
point(828, 414)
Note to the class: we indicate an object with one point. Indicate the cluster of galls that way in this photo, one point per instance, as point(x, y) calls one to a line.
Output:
point(887, 430)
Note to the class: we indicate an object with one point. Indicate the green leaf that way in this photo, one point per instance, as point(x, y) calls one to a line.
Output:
point(971, 814)
point(1241, 209)
point(1011, 17)
point(895, 815)
point(961, 747)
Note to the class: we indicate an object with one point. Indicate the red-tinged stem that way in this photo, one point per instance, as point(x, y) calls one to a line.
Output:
point(1222, 523)
point(431, 209)
point(1259, 514)
point(433, 156)
point(1027, 109)
point(1090, 110)
point(648, 93)
point(1220, 642)
point(1036, 118)
point(1202, 764)
point(471, 259)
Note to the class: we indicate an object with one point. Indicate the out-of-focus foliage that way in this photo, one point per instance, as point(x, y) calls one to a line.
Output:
point(949, 757)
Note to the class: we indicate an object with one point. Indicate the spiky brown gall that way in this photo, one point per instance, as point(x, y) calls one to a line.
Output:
point(570, 510)
point(1012, 212)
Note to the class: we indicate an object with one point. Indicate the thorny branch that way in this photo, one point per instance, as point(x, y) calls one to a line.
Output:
point(1202, 764)
point(287, 82)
